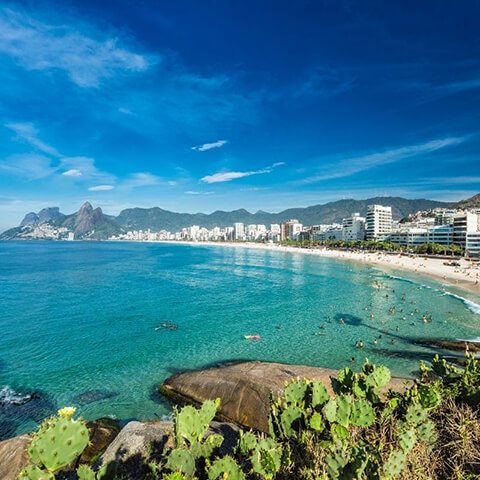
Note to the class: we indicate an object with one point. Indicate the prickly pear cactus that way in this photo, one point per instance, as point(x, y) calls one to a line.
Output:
point(395, 463)
point(344, 408)
point(267, 458)
point(330, 410)
point(428, 397)
point(247, 442)
point(287, 418)
point(378, 377)
point(295, 393)
point(59, 441)
point(426, 432)
point(84, 472)
point(407, 440)
point(205, 448)
point(362, 414)
point(316, 422)
point(225, 468)
point(35, 473)
point(319, 394)
point(416, 414)
point(181, 460)
point(192, 424)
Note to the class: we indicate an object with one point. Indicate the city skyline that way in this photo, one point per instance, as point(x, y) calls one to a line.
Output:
point(222, 106)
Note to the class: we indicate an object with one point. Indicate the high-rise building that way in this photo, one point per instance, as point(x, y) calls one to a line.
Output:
point(238, 231)
point(466, 231)
point(353, 228)
point(290, 229)
point(378, 222)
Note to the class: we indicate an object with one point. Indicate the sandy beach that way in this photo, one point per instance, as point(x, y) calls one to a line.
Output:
point(466, 276)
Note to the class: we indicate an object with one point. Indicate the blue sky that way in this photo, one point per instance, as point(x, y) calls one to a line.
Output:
point(198, 106)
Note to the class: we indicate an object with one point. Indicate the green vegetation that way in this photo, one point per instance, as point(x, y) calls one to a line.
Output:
point(431, 430)
point(371, 245)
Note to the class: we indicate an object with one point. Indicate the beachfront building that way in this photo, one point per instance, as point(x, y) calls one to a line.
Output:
point(463, 224)
point(444, 216)
point(378, 224)
point(353, 228)
point(409, 236)
point(290, 229)
point(441, 234)
point(472, 244)
point(239, 231)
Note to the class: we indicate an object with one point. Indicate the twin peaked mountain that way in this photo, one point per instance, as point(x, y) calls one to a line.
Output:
point(90, 223)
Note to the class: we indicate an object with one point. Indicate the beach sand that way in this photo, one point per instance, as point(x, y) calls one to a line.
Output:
point(465, 277)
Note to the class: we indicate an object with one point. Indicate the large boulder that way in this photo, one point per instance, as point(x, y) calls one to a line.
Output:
point(135, 441)
point(127, 456)
point(102, 433)
point(244, 388)
point(13, 456)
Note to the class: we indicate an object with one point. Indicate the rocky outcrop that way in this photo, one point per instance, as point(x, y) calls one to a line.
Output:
point(452, 345)
point(13, 456)
point(127, 456)
point(29, 219)
point(49, 214)
point(244, 388)
point(102, 433)
point(134, 442)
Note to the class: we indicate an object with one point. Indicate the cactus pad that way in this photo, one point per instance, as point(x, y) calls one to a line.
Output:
point(58, 443)
point(225, 468)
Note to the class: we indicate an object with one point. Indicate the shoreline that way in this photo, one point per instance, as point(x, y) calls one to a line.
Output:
point(466, 277)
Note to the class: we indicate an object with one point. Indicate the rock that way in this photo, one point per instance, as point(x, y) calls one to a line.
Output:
point(135, 442)
point(13, 456)
point(91, 396)
point(126, 457)
point(453, 345)
point(244, 388)
point(102, 433)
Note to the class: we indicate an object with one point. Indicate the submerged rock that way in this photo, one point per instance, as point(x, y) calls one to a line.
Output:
point(16, 409)
point(244, 388)
point(91, 396)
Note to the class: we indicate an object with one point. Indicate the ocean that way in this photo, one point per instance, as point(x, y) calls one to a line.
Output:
point(99, 325)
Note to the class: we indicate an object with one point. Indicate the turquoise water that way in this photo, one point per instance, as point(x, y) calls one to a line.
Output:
point(78, 320)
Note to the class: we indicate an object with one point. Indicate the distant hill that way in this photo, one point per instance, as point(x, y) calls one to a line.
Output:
point(156, 218)
point(45, 215)
point(472, 202)
point(87, 223)
point(90, 223)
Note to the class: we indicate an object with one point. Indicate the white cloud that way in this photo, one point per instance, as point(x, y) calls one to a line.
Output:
point(350, 166)
point(87, 58)
point(194, 192)
point(228, 176)
point(28, 133)
point(141, 179)
point(29, 166)
point(208, 146)
point(85, 168)
point(73, 172)
point(101, 188)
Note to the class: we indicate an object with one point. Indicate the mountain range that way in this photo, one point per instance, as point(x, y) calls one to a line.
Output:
point(90, 223)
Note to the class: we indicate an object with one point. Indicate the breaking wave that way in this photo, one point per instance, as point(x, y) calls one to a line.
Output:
point(8, 396)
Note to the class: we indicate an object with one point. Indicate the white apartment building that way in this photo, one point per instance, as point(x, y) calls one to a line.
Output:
point(409, 237)
point(290, 229)
point(465, 223)
point(238, 231)
point(378, 222)
point(353, 228)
